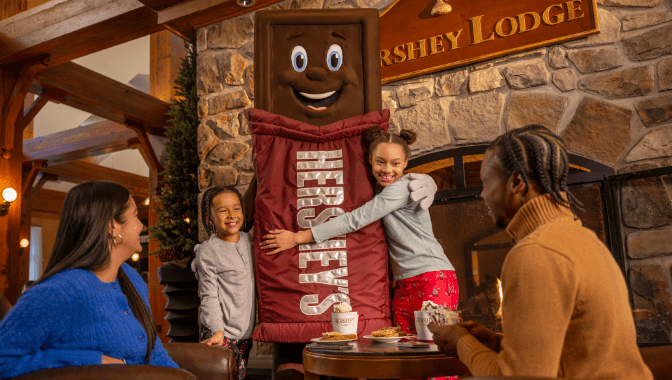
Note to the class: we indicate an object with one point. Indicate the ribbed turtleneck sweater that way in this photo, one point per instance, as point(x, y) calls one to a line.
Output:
point(72, 319)
point(565, 309)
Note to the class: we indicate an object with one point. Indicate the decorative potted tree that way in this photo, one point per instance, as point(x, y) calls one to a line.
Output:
point(177, 228)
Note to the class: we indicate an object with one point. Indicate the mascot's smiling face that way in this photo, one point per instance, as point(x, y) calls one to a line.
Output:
point(320, 72)
point(317, 71)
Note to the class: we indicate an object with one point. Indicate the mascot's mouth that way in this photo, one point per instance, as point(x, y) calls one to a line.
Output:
point(317, 102)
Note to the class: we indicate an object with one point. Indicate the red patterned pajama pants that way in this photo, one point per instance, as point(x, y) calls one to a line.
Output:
point(439, 287)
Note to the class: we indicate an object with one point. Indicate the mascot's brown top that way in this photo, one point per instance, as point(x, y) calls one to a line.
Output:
point(317, 67)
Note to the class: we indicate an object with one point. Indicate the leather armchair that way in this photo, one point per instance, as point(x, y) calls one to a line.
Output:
point(4, 306)
point(659, 360)
point(199, 362)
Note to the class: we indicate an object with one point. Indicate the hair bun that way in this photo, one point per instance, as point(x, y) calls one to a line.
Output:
point(408, 136)
point(373, 133)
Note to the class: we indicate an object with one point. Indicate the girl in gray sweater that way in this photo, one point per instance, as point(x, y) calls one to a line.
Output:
point(223, 266)
point(421, 270)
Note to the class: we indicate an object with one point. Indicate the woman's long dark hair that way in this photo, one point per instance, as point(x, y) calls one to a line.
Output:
point(83, 242)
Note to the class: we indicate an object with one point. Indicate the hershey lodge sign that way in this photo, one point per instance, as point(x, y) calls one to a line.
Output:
point(422, 36)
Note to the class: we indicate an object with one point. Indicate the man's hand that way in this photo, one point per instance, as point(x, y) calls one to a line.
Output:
point(111, 360)
point(422, 187)
point(484, 335)
point(446, 337)
point(217, 339)
point(280, 240)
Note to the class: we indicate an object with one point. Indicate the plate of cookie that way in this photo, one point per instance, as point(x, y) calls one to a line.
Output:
point(335, 338)
point(387, 335)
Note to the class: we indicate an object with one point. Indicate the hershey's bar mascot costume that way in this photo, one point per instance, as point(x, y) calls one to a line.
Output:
point(317, 92)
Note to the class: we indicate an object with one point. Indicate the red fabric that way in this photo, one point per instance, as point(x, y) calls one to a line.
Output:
point(439, 287)
point(277, 140)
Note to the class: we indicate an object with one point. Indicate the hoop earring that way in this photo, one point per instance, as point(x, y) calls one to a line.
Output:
point(121, 240)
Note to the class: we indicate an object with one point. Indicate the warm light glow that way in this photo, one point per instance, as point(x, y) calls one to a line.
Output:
point(501, 299)
point(24, 243)
point(9, 194)
point(135, 257)
point(146, 202)
point(187, 220)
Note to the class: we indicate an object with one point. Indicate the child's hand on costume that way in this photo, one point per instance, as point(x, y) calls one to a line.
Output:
point(280, 240)
point(217, 339)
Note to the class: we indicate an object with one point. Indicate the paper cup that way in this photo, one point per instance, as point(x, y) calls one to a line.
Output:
point(345, 323)
point(422, 319)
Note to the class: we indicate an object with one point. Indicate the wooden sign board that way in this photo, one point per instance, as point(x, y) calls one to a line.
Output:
point(413, 42)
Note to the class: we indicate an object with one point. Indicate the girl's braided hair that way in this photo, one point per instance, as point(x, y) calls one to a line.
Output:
point(375, 135)
point(206, 206)
point(538, 155)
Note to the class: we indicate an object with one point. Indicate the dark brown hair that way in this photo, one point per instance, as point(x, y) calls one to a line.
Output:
point(83, 241)
point(375, 135)
point(206, 206)
point(538, 155)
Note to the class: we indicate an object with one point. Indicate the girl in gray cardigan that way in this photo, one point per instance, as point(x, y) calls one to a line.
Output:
point(223, 266)
point(421, 270)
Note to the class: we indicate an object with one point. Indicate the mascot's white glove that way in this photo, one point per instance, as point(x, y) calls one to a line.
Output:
point(422, 187)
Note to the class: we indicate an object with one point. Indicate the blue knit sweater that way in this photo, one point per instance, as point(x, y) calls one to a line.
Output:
point(72, 319)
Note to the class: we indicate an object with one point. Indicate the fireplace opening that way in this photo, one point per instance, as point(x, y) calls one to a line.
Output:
point(472, 243)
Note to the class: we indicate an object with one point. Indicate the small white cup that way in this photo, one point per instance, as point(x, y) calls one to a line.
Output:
point(345, 323)
point(422, 319)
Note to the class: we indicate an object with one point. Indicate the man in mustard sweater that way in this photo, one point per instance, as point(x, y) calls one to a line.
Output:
point(565, 310)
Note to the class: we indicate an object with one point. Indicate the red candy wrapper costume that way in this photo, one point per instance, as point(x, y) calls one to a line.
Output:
point(305, 176)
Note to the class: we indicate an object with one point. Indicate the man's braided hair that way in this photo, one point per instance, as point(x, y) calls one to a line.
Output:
point(540, 156)
point(206, 206)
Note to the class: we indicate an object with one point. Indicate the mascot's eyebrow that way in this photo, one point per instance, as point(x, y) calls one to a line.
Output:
point(297, 34)
point(338, 34)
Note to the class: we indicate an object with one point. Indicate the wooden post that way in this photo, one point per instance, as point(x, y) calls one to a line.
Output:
point(165, 49)
point(13, 268)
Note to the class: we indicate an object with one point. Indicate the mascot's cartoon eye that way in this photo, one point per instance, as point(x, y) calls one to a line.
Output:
point(334, 57)
point(299, 58)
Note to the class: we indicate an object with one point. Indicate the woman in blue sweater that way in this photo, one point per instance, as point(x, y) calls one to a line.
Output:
point(88, 307)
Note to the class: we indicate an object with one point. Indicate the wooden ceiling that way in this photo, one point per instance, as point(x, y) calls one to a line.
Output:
point(86, 90)
point(58, 31)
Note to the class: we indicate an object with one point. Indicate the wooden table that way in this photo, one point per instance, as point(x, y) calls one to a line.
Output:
point(371, 360)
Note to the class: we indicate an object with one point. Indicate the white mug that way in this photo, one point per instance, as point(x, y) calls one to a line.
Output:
point(345, 323)
point(422, 319)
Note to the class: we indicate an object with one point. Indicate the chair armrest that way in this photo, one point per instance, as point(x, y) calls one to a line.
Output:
point(659, 361)
point(109, 372)
point(205, 362)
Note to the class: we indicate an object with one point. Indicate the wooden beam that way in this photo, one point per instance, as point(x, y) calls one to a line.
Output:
point(35, 108)
point(81, 171)
point(14, 103)
point(44, 178)
point(48, 201)
point(95, 93)
point(146, 148)
point(69, 29)
point(77, 143)
point(30, 175)
point(187, 16)
point(158, 5)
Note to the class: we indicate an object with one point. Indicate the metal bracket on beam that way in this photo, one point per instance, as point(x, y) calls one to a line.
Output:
point(11, 110)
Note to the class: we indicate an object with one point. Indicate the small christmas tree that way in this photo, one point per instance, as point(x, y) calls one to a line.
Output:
point(177, 228)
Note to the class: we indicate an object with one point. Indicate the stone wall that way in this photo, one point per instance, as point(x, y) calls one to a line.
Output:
point(609, 96)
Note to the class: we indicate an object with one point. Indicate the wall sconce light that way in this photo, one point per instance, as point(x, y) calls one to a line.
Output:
point(135, 257)
point(245, 3)
point(146, 203)
point(9, 195)
point(24, 243)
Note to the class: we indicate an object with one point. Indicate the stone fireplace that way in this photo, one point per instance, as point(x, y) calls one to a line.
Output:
point(609, 96)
